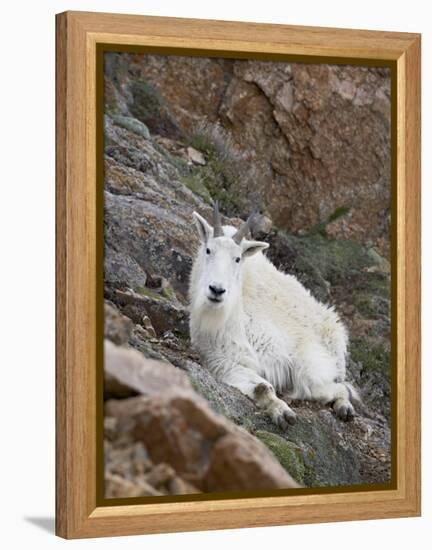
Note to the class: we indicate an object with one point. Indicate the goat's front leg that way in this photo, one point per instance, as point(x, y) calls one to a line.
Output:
point(278, 410)
point(262, 393)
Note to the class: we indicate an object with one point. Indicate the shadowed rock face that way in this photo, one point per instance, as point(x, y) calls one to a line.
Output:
point(153, 182)
point(309, 138)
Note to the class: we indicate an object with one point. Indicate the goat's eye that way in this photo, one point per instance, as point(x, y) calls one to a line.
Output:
point(237, 260)
point(207, 250)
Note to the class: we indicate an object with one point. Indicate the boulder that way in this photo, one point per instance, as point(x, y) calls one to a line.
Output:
point(117, 327)
point(128, 372)
point(195, 156)
point(178, 427)
point(118, 487)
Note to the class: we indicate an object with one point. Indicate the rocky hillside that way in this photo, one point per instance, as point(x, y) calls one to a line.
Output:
point(170, 427)
point(309, 138)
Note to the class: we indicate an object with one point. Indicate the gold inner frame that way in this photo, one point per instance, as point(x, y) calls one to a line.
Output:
point(101, 48)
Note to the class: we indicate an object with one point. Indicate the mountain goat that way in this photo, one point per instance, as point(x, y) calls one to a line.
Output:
point(260, 330)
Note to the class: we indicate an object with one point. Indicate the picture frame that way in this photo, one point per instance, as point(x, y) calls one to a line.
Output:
point(81, 39)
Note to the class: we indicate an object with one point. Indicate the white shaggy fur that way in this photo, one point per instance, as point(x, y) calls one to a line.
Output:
point(263, 332)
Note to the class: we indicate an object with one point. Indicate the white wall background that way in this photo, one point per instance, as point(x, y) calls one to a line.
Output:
point(27, 272)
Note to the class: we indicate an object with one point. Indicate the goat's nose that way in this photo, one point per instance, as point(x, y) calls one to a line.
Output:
point(217, 290)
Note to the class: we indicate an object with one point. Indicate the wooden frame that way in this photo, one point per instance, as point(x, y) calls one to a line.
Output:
point(78, 34)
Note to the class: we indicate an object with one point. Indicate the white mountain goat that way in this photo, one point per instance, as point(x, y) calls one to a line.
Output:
point(260, 330)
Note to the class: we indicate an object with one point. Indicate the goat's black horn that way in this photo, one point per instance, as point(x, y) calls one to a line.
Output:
point(244, 228)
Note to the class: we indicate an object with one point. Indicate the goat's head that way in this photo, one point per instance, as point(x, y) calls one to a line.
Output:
point(220, 258)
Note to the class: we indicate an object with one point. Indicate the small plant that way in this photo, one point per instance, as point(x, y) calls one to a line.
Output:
point(214, 140)
point(223, 169)
point(195, 184)
point(321, 227)
point(203, 144)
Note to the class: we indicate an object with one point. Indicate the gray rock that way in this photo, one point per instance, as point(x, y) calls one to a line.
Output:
point(319, 450)
point(196, 156)
point(117, 327)
point(122, 270)
point(165, 314)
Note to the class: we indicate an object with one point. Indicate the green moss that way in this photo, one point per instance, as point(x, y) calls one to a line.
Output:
point(144, 291)
point(166, 294)
point(169, 293)
point(288, 454)
point(372, 357)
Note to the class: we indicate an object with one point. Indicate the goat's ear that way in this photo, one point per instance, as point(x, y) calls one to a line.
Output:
point(205, 230)
point(249, 248)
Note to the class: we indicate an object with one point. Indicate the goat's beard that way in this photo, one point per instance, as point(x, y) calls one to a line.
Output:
point(219, 310)
point(205, 302)
point(215, 304)
point(213, 318)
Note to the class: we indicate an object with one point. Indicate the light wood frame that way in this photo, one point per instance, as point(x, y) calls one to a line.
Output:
point(78, 34)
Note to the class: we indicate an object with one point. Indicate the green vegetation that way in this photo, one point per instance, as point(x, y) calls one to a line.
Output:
point(216, 181)
point(149, 107)
point(144, 291)
point(332, 258)
point(222, 172)
point(147, 100)
point(203, 143)
point(167, 293)
point(372, 357)
point(194, 183)
point(132, 124)
point(320, 228)
point(288, 454)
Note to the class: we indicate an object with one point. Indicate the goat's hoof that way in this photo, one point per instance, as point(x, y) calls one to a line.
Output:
point(344, 411)
point(286, 419)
